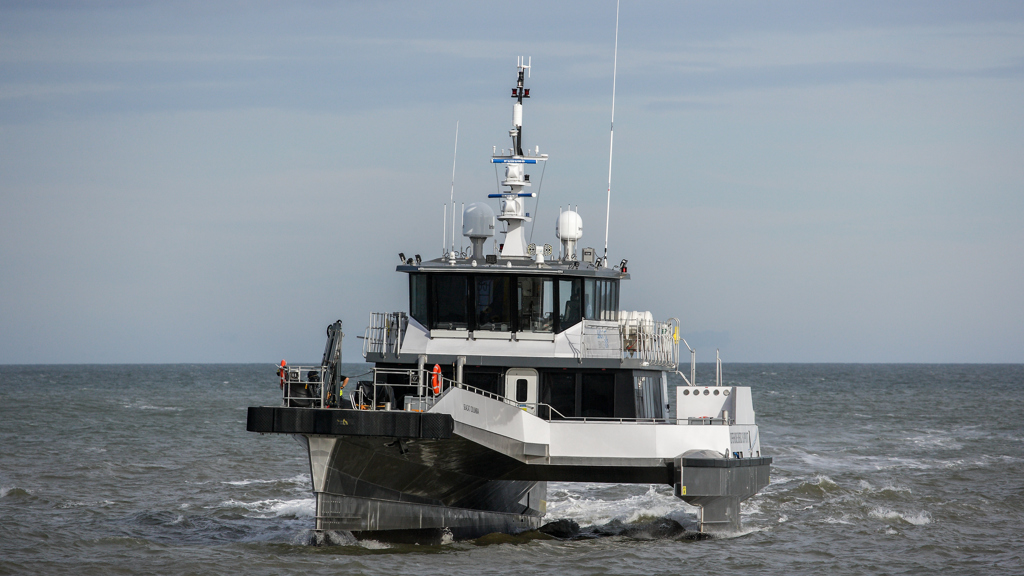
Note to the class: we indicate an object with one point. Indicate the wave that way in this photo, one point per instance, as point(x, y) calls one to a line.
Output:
point(917, 519)
point(297, 508)
point(13, 491)
point(300, 479)
point(336, 538)
point(571, 502)
point(141, 406)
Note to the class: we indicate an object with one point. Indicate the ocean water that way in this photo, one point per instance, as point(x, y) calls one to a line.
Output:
point(879, 469)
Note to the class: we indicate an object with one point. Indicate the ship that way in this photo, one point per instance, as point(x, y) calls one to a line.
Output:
point(512, 366)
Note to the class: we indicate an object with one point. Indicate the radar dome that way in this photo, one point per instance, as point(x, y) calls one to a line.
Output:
point(478, 226)
point(569, 229)
point(478, 221)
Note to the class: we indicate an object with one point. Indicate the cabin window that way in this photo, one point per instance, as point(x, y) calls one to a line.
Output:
point(648, 397)
point(493, 304)
point(569, 303)
point(601, 299)
point(418, 298)
point(597, 398)
point(451, 302)
point(522, 390)
point(588, 299)
point(535, 299)
point(485, 380)
point(559, 392)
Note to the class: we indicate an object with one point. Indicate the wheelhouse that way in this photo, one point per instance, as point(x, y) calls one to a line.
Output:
point(489, 302)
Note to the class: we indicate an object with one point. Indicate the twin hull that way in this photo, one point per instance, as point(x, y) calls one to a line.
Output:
point(473, 465)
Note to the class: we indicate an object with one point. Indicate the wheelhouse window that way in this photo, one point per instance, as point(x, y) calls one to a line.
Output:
point(507, 303)
point(450, 297)
point(535, 299)
point(600, 299)
point(570, 295)
point(418, 298)
point(493, 303)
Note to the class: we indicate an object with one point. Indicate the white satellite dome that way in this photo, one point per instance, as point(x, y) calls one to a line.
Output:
point(478, 226)
point(569, 229)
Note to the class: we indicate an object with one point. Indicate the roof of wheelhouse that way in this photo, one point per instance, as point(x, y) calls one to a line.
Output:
point(515, 265)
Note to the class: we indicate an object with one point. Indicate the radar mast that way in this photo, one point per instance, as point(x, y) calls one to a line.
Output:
point(512, 209)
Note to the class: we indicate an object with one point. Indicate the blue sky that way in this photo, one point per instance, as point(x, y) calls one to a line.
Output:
point(794, 181)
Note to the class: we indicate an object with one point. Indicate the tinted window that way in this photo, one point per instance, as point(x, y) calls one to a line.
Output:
point(493, 304)
point(569, 303)
point(589, 307)
point(597, 397)
point(521, 390)
point(648, 397)
point(560, 393)
point(418, 297)
point(451, 296)
point(601, 299)
point(536, 303)
point(487, 381)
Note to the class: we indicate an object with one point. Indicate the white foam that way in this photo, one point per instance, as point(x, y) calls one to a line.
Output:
point(299, 507)
point(588, 511)
point(822, 479)
point(866, 486)
point(917, 519)
point(302, 479)
point(742, 532)
point(5, 490)
point(834, 520)
point(936, 439)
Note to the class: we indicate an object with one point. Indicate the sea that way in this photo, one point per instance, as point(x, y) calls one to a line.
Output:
point(148, 469)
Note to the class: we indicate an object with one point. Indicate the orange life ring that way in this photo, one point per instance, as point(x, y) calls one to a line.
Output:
point(435, 379)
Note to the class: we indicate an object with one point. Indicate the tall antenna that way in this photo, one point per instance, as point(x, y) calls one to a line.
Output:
point(611, 138)
point(455, 155)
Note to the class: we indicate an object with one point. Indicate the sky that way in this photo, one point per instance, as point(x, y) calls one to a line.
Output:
point(794, 181)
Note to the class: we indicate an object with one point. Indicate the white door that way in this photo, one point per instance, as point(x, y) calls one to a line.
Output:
point(521, 388)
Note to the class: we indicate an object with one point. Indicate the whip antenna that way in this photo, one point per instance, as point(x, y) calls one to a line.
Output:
point(455, 155)
point(611, 138)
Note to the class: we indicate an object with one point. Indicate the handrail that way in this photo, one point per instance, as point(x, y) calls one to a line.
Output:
point(384, 333)
point(303, 387)
point(320, 396)
point(650, 342)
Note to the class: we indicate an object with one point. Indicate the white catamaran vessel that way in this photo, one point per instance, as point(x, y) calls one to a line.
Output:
point(512, 367)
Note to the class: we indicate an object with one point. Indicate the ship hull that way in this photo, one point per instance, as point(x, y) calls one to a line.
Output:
point(407, 490)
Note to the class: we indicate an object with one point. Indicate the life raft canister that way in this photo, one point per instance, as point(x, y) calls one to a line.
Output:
point(281, 372)
point(435, 379)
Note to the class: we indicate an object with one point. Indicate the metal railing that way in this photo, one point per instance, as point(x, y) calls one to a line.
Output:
point(384, 333)
point(303, 387)
point(652, 343)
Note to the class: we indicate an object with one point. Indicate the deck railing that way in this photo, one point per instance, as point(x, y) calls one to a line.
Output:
point(652, 343)
point(384, 333)
point(303, 387)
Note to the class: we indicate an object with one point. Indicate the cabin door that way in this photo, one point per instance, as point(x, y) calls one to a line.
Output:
point(521, 388)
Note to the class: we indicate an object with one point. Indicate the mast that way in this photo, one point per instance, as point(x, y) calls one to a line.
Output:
point(512, 208)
